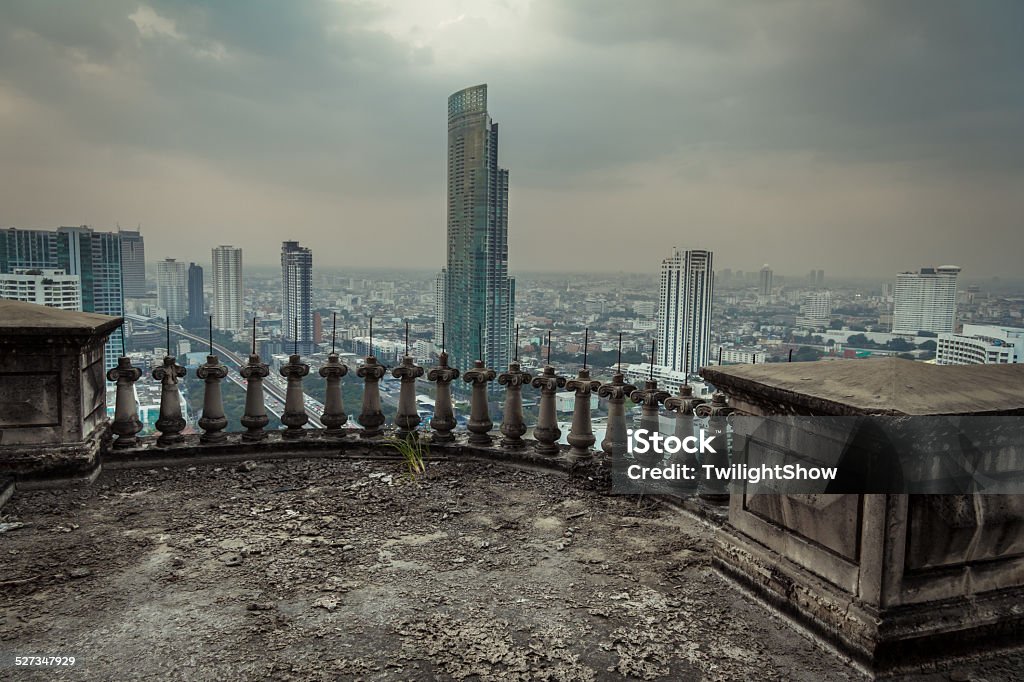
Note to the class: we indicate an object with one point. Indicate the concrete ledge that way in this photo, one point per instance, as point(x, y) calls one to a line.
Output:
point(885, 641)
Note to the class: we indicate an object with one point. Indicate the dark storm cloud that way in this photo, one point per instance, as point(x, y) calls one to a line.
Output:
point(686, 122)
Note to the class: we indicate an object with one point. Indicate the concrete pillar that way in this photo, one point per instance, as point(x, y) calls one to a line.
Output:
point(480, 422)
point(407, 417)
point(334, 417)
point(443, 421)
point(126, 423)
point(171, 423)
point(547, 433)
point(712, 489)
point(649, 398)
point(213, 422)
point(255, 418)
point(513, 423)
point(294, 416)
point(616, 392)
point(581, 433)
point(371, 417)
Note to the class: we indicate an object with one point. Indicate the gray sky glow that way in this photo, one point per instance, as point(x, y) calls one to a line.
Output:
point(859, 137)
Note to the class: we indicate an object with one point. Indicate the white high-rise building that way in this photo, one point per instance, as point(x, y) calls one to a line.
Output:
point(297, 297)
point(171, 288)
point(53, 288)
point(925, 301)
point(684, 310)
point(440, 286)
point(816, 309)
point(227, 288)
point(980, 344)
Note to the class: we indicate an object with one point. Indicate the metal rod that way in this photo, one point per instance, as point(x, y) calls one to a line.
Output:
point(295, 341)
point(549, 346)
point(211, 334)
point(790, 355)
point(407, 337)
point(443, 332)
point(370, 351)
point(618, 357)
point(480, 340)
point(123, 351)
point(334, 331)
point(167, 322)
point(686, 366)
point(254, 335)
point(652, 359)
point(719, 356)
point(517, 344)
point(586, 339)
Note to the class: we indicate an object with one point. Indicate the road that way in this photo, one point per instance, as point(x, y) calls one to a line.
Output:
point(313, 407)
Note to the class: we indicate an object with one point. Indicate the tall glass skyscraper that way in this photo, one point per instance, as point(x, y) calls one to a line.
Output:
point(297, 297)
point(479, 301)
point(172, 289)
point(133, 263)
point(196, 307)
point(95, 257)
point(684, 310)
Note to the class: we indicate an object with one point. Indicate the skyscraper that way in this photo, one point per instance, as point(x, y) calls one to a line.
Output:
point(133, 263)
point(684, 310)
point(925, 300)
point(227, 288)
point(479, 301)
point(171, 278)
point(440, 287)
point(94, 257)
point(297, 297)
point(766, 283)
point(816, 309)
point(196, 307)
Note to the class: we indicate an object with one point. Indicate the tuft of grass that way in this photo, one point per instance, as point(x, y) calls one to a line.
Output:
point(414, 451)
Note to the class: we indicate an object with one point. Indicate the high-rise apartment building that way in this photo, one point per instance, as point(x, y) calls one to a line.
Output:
point(925, 301)
point(816, 309)
point(227, 303)
point(133, 263)
point(53, 288)
point(297, 297)
point(479, 301)
point(684, 310)
point(171, 288)
point(196, 304)
point(980, 344)
point(94, 257)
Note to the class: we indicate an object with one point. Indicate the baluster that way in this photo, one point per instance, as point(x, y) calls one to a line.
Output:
point(513, 423)
point(407, 418)
point(294, 416)
point(717, 412)
point(683, 405)
point(371, 417)
point(334, 417)
point(443, 420)
point(480, 422)
point(170, 423)
point(126, 408)
point(547, 433)
point(581, 432)
point(213, 422)
point(616, 392)
point(650, 397)
point(255, 418)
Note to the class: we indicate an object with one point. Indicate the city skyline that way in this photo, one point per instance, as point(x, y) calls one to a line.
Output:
point(784, 134)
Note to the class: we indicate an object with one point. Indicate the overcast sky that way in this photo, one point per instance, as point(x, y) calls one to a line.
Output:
point(858, 137)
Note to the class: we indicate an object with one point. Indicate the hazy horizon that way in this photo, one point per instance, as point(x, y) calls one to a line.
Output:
point(864, 139)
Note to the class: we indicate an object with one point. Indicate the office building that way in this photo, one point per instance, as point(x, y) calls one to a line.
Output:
point(479, 297)
point(684, 310)
point(133, 263)
point(765, 284)
point(227, 304)
point(53, 288)
point(171, 289)
point(93, 257)
point(925, 301)
point(979, 344)
point(297, 297)
point(196, 304)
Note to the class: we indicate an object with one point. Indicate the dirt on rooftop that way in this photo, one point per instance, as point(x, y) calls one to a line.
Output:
point(339, 569)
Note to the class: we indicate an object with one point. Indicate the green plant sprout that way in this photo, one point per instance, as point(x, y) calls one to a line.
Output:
point(414, 451)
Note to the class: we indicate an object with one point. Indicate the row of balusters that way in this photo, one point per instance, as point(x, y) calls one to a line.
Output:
point(546, 433)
